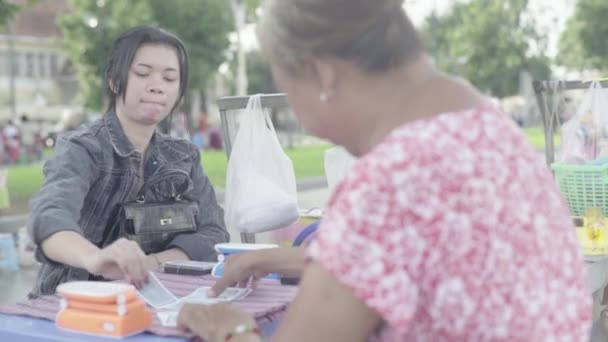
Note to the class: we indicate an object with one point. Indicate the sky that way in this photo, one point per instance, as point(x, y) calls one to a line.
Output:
point(551, 15)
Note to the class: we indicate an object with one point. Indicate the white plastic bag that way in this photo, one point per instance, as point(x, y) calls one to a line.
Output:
point(337, 163)
point(261, 190)
point(585, 135)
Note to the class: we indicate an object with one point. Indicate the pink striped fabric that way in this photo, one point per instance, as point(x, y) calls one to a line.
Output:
point(266, 303)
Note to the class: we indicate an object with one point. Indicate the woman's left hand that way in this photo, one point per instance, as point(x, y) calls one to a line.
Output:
point(213, 322)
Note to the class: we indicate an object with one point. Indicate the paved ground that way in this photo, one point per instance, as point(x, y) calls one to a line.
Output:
point(14, 286)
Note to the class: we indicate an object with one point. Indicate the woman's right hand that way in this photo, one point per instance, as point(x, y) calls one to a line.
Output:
point(123, 259)
point(242, 268)
point(215, 322)
point(251, 266)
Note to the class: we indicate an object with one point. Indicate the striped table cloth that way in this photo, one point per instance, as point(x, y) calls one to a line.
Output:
point(266, 303)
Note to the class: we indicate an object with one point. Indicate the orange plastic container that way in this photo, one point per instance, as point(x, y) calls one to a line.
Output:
point(102, 308)
point(114, 309)
point(97, 292)
point(105, 324)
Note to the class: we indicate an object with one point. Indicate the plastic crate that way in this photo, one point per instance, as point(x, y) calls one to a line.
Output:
point(583, 186)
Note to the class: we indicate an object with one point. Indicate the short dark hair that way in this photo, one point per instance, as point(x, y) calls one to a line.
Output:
point(123, 52)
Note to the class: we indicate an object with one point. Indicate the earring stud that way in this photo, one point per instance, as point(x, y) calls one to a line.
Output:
point(323, 97)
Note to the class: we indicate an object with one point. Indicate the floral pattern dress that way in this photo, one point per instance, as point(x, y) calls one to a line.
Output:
point(453, 229)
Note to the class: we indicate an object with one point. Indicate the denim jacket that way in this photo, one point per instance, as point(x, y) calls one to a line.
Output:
point(93, 171)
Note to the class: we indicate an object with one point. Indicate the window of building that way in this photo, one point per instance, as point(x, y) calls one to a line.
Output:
point(42, 65)
point(16, 64)
point(4, 63)
point(29, 65)
point(54, 66)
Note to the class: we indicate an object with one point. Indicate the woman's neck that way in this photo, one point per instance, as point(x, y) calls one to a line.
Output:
point(139, 135)
point(414, 92)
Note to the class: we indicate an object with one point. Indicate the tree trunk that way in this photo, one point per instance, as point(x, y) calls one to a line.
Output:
point(12, 60)
point(195, 111)
point(239, 9)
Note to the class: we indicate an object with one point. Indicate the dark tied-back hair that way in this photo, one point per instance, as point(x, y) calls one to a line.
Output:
point(123, 52)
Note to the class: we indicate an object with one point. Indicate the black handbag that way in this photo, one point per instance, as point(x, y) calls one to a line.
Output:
point(153, 223)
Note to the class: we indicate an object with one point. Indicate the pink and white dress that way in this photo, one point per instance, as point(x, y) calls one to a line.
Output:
point(452, 229)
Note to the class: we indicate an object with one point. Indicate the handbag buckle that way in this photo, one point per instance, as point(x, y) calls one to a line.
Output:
point(165, 221)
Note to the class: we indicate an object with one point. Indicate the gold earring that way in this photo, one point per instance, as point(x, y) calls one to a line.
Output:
point(323, 97)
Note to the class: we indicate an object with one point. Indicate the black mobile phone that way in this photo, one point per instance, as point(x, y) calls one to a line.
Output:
point(290, 281)
point(188, 267)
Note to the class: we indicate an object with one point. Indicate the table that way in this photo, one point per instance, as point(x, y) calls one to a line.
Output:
point(597, 272)
point(268, 302)
point(12, 223)
point(21, 329)
point(597, 269)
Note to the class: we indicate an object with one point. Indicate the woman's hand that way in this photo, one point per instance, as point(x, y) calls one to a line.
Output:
point(214, 322)
point(240, 269)
point(252, 266)
point(123, 259)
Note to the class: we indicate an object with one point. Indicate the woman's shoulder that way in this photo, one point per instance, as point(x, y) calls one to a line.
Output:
point(439, 135)
point(89, 137)
point(420, 148)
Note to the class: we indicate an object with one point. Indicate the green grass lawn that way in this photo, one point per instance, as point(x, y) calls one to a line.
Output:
point(307, 163)
point(25, 181)
point(536, 136)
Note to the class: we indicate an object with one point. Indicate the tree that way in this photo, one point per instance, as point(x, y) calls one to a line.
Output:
point(583, 44)
point(203, 26)
point(88, 30)
point(243, 13)
point(259, 75)
point(7, 10)
point(489, 42)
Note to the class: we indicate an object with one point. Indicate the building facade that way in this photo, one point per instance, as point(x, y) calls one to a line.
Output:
point(36, 77)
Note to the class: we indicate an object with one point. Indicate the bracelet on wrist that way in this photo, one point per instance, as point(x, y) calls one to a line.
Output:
point(241, 330)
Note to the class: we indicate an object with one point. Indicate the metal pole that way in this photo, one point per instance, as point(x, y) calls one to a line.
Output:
point(226, 129)
point(101, 63)
point(12, 72)
point(239, 10)
point(544, 88)
point(539, 90)
point(101, 20)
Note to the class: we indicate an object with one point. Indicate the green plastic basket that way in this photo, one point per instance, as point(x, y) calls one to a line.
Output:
point(583, 186)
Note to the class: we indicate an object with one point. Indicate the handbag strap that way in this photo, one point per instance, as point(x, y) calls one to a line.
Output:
point(157, 178)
